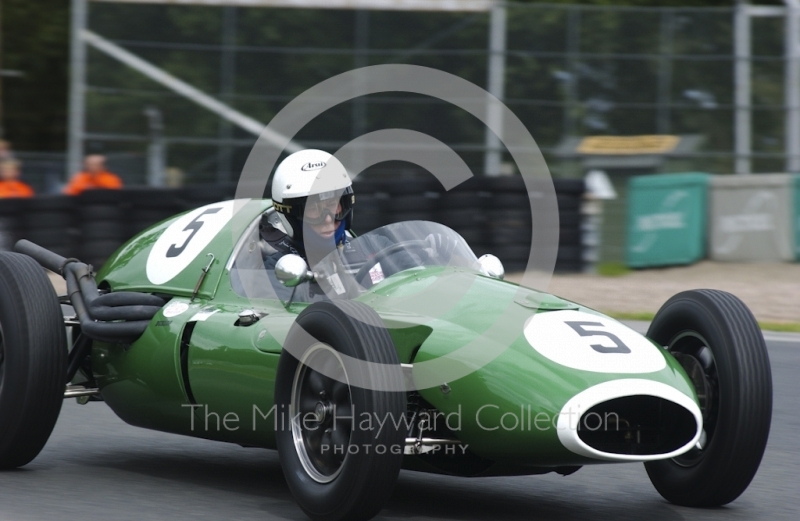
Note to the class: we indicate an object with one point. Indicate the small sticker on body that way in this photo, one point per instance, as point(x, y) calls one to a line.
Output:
point(336, 284)
point(202, 315)
point(174, 309)
point(376, 273)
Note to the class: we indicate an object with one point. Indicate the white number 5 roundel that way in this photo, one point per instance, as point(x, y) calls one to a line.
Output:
point(591, 343)
point(185, 239)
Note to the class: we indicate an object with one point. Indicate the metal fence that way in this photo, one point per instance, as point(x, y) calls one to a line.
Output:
point(569, 70)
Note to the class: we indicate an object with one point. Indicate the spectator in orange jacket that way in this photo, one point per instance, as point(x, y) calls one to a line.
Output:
point(94, 175)
point(10, 185)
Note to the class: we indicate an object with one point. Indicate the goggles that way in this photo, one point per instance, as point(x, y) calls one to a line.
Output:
point(315, 209)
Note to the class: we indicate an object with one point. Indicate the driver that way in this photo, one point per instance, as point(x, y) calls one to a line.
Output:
point(313, 197)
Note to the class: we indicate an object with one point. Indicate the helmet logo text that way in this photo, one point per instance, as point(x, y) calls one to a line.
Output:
point(312, 166)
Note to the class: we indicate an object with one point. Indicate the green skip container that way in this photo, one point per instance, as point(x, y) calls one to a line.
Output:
point(797, 217)
point(666, 219)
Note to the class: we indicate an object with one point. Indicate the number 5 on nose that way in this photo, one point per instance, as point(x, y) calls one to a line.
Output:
point(619, 345)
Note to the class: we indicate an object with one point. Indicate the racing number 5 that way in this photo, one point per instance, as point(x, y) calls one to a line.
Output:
point(194, 226)
point(619, 346)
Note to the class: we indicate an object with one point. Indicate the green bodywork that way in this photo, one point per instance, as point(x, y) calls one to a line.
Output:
point(231, 369)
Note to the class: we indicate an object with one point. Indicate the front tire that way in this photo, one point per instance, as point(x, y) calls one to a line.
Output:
point(33, 353)
point(338, 466)
point(717, 340)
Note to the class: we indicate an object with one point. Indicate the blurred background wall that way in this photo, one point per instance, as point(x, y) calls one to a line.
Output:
point(569, 70)
point(624, 90)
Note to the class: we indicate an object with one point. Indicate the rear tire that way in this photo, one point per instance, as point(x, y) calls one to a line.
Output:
point(337, 469)
point(717, 340)
point(33, 353)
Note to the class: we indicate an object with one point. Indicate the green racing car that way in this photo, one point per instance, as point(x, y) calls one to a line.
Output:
point(411, 354)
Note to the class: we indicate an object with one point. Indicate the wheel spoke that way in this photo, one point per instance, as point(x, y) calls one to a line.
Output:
point(327, 437)
point(344, 417)
point(313, 438)
point(316, 382)
point(340, 437)
point(341, 393)
point(706, 358)
point(330, 364)
point(307, 404)
point(702, 441)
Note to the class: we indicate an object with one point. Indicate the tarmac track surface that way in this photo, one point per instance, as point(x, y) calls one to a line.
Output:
point(95, 467)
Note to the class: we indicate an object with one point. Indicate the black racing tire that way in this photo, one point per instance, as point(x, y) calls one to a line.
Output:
point(47, 237)
point(569, 237)
point(100, 197)
point(356, 485)
point(409, 185)
point(97, 253)
point(509, 219)
point(504, 184)
point(568, 203)
point(569, 219)
point(735, 389)
point(419, 246)
point(148, 217)
point(370, 202)
point(33, 370)
point(466, 218)
point(159, 197)
point(520, 202)
point(48, 219)
point(363, 186)
point(462, 201)
point(472, 235)
point(410, 203)
point(101, 212)
point(103, 230)
point(569, 253)
point(66, 250)
point(513, 254)
point(51, 203)
point(569, 186)
point(500, 236)
point(411, 216)
point(571, 266)
point(368, 221)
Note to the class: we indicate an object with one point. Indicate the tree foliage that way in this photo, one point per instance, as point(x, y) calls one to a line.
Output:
point(35, 38)
point(35, 41)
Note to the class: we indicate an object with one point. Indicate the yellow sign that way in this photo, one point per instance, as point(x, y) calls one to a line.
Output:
point(627, 145)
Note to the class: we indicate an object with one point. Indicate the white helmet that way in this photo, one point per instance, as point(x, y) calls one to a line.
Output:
point(310, 173)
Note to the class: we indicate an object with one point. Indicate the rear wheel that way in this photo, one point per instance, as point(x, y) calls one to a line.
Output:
point(337, 466)
point(33, 352)
point(716, 339)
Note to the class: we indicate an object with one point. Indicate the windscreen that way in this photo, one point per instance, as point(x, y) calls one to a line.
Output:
point(357, 265)
point(371, 258)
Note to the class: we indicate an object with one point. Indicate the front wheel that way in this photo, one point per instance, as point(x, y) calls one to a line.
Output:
point(339, 387)
point(33, 353)
point(716, 339)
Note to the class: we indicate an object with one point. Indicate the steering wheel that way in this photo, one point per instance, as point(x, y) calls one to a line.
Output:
point(420, 246)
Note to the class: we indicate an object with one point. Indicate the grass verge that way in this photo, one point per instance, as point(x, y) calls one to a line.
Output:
point(782, 327)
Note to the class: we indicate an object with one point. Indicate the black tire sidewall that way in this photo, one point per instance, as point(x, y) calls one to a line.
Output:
point(734, 451)
point(34, 366)
point(329, 500)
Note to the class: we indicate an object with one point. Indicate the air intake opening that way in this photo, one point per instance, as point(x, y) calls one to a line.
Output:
point(637, 425)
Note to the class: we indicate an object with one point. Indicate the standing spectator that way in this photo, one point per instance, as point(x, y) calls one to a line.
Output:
point(94, 175)
point(10, 185)
point(5, 150)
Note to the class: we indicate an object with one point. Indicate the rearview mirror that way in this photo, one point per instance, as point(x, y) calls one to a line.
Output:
point(292, 270)
point(491, 266)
